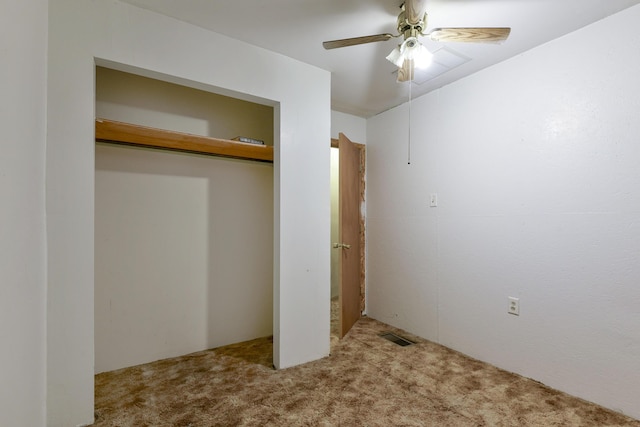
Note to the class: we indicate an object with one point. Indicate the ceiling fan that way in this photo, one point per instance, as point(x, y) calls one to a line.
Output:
point(412, 23)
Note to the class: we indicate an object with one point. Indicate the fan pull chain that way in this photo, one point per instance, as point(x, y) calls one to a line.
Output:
point(409, 143)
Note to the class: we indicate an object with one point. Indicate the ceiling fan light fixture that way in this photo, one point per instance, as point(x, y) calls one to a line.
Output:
point(421, 56)
point(411, 49)
point(396, 57)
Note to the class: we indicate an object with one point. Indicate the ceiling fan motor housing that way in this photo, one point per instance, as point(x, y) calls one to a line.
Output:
point(411, 30)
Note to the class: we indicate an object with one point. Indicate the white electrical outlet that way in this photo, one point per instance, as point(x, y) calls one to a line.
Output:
point(514, 306)
point(433, 200)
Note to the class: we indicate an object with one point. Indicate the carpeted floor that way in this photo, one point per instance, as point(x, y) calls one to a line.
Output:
point(367, 381)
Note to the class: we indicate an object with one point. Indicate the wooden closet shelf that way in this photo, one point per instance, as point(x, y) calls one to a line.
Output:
point(130, 134)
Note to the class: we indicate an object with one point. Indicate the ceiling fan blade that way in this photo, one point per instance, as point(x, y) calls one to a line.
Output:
point(473, 35)
point(333, 44)
point(415, 10)
point(405, 73)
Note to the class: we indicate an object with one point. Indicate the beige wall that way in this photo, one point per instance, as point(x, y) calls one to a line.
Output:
point(184, 243)
point(335, 222)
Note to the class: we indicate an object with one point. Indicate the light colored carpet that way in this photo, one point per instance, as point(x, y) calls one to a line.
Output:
point(367, 381)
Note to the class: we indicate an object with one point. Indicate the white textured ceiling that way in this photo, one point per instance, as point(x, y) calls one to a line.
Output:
point(362, 81)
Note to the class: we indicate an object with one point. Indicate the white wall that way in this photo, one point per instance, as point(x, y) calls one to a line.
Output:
point(183, 254)
point(23, 46)
point(355, 128)
point(133, 39)
point(535, 162)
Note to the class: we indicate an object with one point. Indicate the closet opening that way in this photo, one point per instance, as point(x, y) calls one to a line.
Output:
point(183, 241)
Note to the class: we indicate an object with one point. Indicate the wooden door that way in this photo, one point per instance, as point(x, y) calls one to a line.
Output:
point(349, 189)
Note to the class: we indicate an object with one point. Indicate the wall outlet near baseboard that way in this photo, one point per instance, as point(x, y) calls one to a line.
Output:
point(514, 306)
